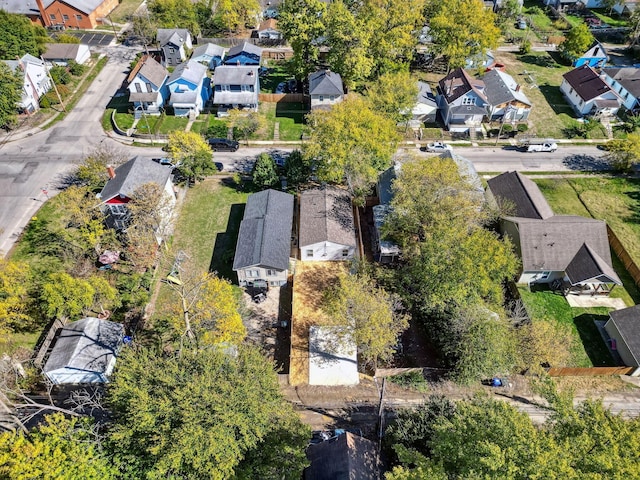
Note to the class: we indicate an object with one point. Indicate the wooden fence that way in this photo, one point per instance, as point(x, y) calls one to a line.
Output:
point(589, 372)
point(624, 257)
point(281, 97)
point(46, 341)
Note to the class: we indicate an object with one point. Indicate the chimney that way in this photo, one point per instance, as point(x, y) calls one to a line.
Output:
point(111, 172)
point(43, 13)
point(20, 64)
point(518, 88)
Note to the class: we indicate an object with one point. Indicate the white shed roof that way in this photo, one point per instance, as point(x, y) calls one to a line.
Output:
point(333, 357)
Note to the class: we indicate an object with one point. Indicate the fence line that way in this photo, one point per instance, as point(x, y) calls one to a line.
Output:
point(588, 372)
point(281, 97)
point(624, 256)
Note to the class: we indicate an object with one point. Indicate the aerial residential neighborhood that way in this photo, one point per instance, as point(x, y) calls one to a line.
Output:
point(319, 240)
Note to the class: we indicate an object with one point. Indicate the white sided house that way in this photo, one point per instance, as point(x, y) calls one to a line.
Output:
point(84, 352)
point(264, 240)
point(327, 230)
point(35, 81)
point(63, 53)
point(588, 93)
point(325, 89)
point(626, 82)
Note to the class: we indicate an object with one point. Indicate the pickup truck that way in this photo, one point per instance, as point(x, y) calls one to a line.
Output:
point(542, 147)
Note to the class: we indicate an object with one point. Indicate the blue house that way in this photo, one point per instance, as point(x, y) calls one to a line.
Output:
point(244, 54)
point(208, 54)
point(595, 57)
point(147, 85)
point(190, 88)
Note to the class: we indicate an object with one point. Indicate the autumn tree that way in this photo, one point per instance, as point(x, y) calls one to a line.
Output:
point(462, 29)
point(192, 153)
point(171, 13)
point(65, 296)
point(58, 448)
point(10, 95)
point(394, 94)
point(624, 153)
point(297, 169)
point(200, 413)
point(92, 170)
point(350, 143)
point(233, 15)
point(577, 41)
point(373, 316)
point(15, 298)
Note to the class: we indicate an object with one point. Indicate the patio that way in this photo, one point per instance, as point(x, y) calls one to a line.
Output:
point(591, 301)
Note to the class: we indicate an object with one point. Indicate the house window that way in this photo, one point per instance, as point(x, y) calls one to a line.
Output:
point(544, 275)
point(65, 18)
point(345, 252)
point(138, 88)
point(253, 273)
point(468, 101)
point(149, 89)
point(271, 273)
point(119, 224)
point(225, 88)
point(172, 50)
point(247, 88)
point(78, 17)
point(570, 90)
point(309, 253)
point(52, 16)
point(118, 209)
point(332, 98)
point(321, 98)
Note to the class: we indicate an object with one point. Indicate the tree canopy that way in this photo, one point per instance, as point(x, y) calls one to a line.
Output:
point(199, 413)
point(624, 153)
point(10, 95)
point(394, 94)
point(174, 13)
point(577, 41)
point(192, 153)
point(20, 36)
point(265, 174)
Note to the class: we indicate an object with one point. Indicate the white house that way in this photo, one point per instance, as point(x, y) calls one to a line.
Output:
point(84, 352)
point(588, 93)
point(62, 53)
point(35, 81)
point(506, 100)
point(327, 230)
point(325, 89)
point(268, 30)
point(147, 85)
point(625, 81)
point(426, 108)
point(236, 86)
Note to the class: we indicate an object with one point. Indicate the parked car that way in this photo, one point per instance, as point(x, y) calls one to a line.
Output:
point(223, 145)
point(163, 161)
point(437, 147)
point(522, 24)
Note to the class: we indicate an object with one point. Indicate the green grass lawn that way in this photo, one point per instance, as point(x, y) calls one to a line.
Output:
point(277, 74)
point(610, 18)
point(588, 348)
point(124, 121)
point(148, 124)
point(171, 123)
point(122, 13)
point(290, 117)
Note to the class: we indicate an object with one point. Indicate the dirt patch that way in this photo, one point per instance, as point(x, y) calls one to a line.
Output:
point(262, 322)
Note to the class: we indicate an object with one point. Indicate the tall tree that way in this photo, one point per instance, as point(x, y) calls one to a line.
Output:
point(350, 143)
point(192, 153)
point(577, 41)
point(245, 123)
point(394, 94)
point(197, 413)
point(174, 14)
point(15, 278)
point(10, 95)
point(372, 315)
point(233, 15)
point(20, 36)
point(463, 29)
point(297, 169)
point(302, 24)
point(65, 296)
point(265, 174)
point(624, 153)
point(59, 448)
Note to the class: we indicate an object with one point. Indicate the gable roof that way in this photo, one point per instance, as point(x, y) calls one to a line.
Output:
point(88, 344)
point(596, 51)
point(628, 77)
point(588, 265)
point(627, 321)
point(425, 95)
point(500, 87)
point(586, 82)
point(326, 215)
point(459, 83)
point(132, 175)
point(552, 243)
point(325, 82)
point(175, 36)
point(345, 457)
point(268, 24)
point(210, 49)
point(191, 71)
point(235, 75)
point(61, 50)
point(244, 47)
point(149, 69)
point(520, 192)
point(264, 238)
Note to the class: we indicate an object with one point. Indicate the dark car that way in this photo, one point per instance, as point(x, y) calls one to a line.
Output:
point(223, 145)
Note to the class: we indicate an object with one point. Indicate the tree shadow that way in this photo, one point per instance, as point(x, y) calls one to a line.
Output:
point(556, 101)
point(592, 341)
point(586, 163)
point(295, 111)
point(283, 333)
point(225, 246)
point(633, 194)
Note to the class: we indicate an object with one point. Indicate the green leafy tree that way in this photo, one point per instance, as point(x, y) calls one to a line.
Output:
point(233, 15)
point(463, 29)
point(624, 154)
point(65, 296)
point(92, 170)
point(394, 94)
point(350, 143)
point(199, 413)
point(577, 41)
point(245, 123)
point(192, 153)
point(297, 169)
point(20, 36)
point(76, 69)
point(60, 75)
point(10, 95)
point(372, 315)
point(58, 448)
point(302, 25)
point(15, 279)
point(174, 13)
point(265, 173)
point(67, 38)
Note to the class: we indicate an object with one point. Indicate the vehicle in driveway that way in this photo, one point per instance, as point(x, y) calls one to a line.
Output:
point(437, 147)
point(223, 145)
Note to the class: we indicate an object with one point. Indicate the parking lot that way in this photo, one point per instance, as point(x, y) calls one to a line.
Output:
point(93, 39)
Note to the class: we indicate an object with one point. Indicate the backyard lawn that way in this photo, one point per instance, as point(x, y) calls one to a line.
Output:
point(290, 117)
point(123, 12)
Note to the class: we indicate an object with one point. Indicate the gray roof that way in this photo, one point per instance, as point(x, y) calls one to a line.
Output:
point(175, 36)
point(88, 344)
point(235, 75)
point(189, 97)
point(246, 47)
point(425, 95)
point(144, 96)
point(500, 88)
point(628, 77)
point(232, 98)
point(132, 175)
point(385, 183)
point(588, 266)
point(627, 321)
point(265, 231)
point(468, 172)
point(148, 68)
point(26, 58)
point(57, 51)
point(325, 82)
point(23, 7)
point(191, 71)
point(210, 49)
point(345, 457)
point(326, 215)
point(521, 193)
point(551, 244)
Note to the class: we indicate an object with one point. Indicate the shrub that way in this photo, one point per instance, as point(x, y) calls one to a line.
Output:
point(75, 68)
point(523, 127)
point(60, 75)
point(218, 130)
point(507, 128)
point(525, 47)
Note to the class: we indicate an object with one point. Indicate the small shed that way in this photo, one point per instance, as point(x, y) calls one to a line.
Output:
point(84, 352)
point(596, 57)
point(623, 328)
point(333, 356)
point(62, 53)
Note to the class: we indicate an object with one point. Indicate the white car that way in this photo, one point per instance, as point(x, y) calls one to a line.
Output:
point(437, 147)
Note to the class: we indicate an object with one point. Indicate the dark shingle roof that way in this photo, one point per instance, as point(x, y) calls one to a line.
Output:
point(459, 83)
point(176, 36)
point(56, 51)
point(627, 321)
point(326, 215)
point(425, 95)
point(520, 192)
point(502, 88)
point(149, 69)
point(586, 82)
point(265, 231)
point(587, 265)
point(628, 77)
point(246, 47)
point(325, 82)
point(345, 457)
point(132, 175)
point(235, 75)
point(88, 344)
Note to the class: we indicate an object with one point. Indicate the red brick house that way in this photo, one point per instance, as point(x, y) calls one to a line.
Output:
point(79, 14)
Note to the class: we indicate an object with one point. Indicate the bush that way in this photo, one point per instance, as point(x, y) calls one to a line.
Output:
point(60, 75)
point(525, 47)
point(413, 380)
point(218, 130)
point(523, 127)
point(507, 128)
point(75, 68)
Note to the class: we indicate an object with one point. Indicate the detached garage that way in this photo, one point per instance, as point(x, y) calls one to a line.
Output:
point(623, 328)
point(84, 352)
